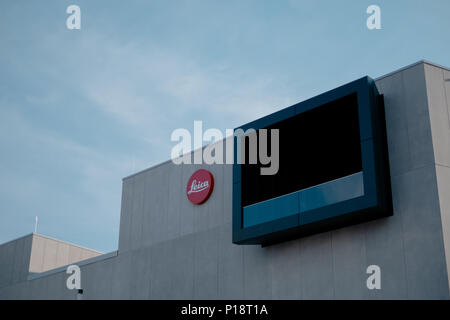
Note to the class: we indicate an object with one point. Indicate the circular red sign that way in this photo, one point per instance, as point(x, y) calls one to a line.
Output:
point(200, 186)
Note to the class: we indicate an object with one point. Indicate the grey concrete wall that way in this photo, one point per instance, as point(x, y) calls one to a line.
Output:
point(438, 92)
point(15, 260)
point(171, 249)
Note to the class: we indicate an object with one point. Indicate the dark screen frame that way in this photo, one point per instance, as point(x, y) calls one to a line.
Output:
point(376, 201)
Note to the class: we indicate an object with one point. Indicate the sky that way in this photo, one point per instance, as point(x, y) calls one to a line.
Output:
point(82, 109)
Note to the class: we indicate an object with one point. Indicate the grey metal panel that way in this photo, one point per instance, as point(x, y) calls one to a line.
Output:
point(257, 280)
point(317, 267)
point(231, 265)
point(349, 262)
point(418, 204)
point(125, 215)
point(286, 270)
point(206, 261)
point(439, 115)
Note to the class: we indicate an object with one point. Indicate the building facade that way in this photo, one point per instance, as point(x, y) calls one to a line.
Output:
point(170, 248)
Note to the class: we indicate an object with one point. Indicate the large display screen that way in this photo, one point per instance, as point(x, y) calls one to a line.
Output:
point(333, 168)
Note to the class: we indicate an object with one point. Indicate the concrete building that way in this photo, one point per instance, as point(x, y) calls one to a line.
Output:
point(170, 248)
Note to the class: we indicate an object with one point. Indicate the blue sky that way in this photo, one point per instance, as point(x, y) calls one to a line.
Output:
point(81, 109)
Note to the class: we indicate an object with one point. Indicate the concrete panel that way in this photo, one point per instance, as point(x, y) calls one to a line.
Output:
point(206, 261)
point(417, 201)
point(7, 263)
point(14, 262)
point(22, 290)
point(125, 215)
point(439, 115)
point(384, 248)
point(56, 284)
point(216, 201)
point(62, 257)
point(317, 267)
point(176, 197)
point(50, 252)
point(257, 278)
point(38, 289)
point(37, 254)
point(160, 279)
point(231, 266)
point(103, 275)
point(286, 268)
point(396, 123)
point(122, 269)
point(75, 254)
point(59, 284)
point(26, 256)
point(85, 254)
point(159, 204)
point(180, 267)
point(227, 214)
point(3, 266)
point(88, 281)
point(418, 117)
point(137, 212)
point(349, 262)
point(155, 205)
point(443, 181)
point(3, 292)
point(140, 278)
point(20, 270)
point(447, 88)
point(187, 208)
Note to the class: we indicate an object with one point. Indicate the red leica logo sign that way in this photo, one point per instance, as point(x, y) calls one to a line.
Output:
point(200, 186)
